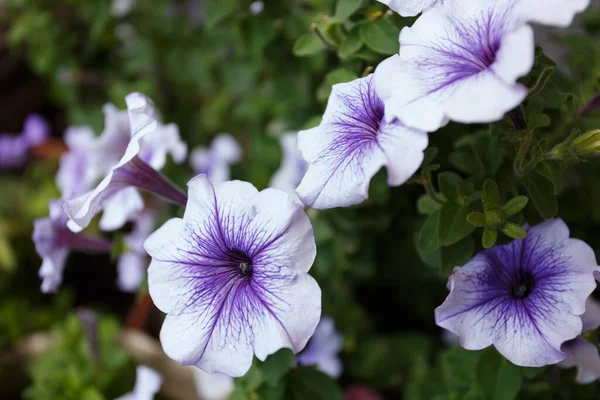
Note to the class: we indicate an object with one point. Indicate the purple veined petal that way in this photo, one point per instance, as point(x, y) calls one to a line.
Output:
point(147, 384)
point(323, 348)
point(213, 386)
point(354, 140)
point(292, 168)
point(526, 298)
point(453, 57)
point(410, 8)
point(35, 130)
point(231, 276)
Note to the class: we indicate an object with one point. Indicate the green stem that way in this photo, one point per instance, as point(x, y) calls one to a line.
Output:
point(429, 188)
point(518, 166)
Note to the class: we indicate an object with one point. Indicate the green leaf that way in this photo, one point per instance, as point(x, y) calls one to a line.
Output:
point(476, 219)
point(308, 383)
point(307, 45)
point(514, 231)
point(351, 44)
point(426, 205)
point(452, 186)
point(267, 392)
point(345, 8)
point(552, 171)
point(254, 377)
point(239, 394)
point(500, 379)
point(453, 224)
point(429, 239)
point(457, 254)
point(340, 75)
point(276, 366)
point(491, 195)
point(381, 36)
point(539, 121)
point(541, 193)
point(429, 155)
point(489, 237)
point(460, 366)
point(514, 205)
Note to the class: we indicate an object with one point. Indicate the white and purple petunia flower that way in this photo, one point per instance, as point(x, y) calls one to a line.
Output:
point(53, 241)
point(133, 147)
point(292, 168)
point(213, 386)
point(215, 161)
point(461, 61)
point(354, 140)
point(526, 298)
point(14, 149)
point(583, 354)
point(147, 384)
point(132, 264)
point(323, 349)
point(232, 276)
point(410, 8)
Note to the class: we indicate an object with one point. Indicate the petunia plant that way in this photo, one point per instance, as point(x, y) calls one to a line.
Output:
point(309, 199)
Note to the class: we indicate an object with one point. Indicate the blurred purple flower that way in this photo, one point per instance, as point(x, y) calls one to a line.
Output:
point(14, 149)
point(214, 162)
point(581, 353)
point(526, 298)
point(292, 167)
point(232, 277)
point(132, 265)
point(53, 241)
point(323, 348)
point(133, 147)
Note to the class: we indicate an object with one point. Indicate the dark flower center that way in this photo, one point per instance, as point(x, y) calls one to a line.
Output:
point(523, 287)
point(245, 268)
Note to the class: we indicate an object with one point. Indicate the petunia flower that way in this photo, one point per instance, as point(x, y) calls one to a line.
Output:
point(215, 161)
point(140, 156)
point(461, 61)
point(232, 277)
point(132, 264)
point(53, 241)
point(147, 384)
point(323, 348)
point(292, 168)
point(213, 386)
point(82, 165)
point(354, 140)
point(121, 8)
point(410, 8)
point(14, 149)
point(583, 354)
point(526, 298)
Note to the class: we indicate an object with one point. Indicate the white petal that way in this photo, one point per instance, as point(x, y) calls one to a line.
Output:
point(147, 384)
point(121, 208)
point(585, 357)
point(164, 140)
point(213, 386)
point(131, 269)
point(550, 12)
point(410, 8)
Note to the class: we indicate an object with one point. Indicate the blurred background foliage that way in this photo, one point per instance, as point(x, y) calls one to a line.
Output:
point(214, 66)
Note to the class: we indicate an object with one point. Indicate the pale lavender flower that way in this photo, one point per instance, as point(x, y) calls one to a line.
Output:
point(147, 384)
point(14, 149)
point(292, 168)
point(323, 349)
point(583, 354)
point(526, 298)
point(213, 386)
point(354, 140)
point(410, 8)
point(53, 242)
point(132, 264)
point(133, 146)
point(215, 161)
point(461, 61)
point(82, 165)
point(121, 8)
point(256, 7)
point(232, 276)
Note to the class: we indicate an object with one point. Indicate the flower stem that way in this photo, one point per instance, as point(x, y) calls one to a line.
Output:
point(426, 182)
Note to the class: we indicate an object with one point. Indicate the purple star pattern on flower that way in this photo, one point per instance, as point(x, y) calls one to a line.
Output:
point(526, 298)
point(354, 140)
point(461, 61)
point(232, 277)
